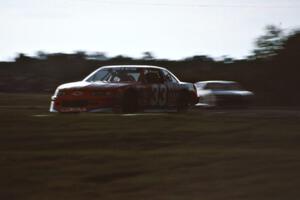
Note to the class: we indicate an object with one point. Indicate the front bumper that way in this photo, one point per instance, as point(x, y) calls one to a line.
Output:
point(71, 105)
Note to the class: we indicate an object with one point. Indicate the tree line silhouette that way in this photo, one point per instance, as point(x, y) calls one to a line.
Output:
point(271, 71)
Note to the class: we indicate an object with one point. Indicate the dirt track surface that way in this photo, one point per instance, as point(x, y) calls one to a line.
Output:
point(201, 154)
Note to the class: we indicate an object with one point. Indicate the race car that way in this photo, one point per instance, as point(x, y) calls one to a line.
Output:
point(222, 94)
point(125, 88)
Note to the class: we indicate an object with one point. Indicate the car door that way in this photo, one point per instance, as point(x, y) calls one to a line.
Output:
point(173, 88)
point(155, 92)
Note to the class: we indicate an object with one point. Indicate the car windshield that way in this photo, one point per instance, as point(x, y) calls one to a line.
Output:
point(116, 75)
point(223, 86)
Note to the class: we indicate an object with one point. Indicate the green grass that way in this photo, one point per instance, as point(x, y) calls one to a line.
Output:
point(252, 154)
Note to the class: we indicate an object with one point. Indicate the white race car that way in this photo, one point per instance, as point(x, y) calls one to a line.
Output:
point(222, 94)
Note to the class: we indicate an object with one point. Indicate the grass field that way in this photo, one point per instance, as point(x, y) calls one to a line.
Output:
point(220, 154)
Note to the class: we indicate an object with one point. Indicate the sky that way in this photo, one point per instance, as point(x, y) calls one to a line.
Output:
point(172, 29)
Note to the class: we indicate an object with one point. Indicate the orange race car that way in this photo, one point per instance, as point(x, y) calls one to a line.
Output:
point(125, 88)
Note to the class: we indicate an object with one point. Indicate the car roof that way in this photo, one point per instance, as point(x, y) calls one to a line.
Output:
point(131, 66)
point(216, 81)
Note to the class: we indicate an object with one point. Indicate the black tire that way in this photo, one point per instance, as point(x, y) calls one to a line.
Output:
point(183, 102)
point(130, 102)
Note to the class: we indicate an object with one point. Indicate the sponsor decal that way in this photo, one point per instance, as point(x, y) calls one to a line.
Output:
point(159, 95)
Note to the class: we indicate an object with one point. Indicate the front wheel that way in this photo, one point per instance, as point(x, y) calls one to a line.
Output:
point(183, 102)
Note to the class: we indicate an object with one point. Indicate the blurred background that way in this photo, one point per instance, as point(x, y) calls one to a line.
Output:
point(256, 43)
point(271, 70)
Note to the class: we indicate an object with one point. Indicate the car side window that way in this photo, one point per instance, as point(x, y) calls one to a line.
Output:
point(168, 77)
point(152, 76)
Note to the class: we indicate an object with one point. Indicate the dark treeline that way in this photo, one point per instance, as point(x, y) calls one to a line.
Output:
point(272, 71)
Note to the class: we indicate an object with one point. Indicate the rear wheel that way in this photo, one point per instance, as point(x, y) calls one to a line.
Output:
point(183, 102)
point(130, 102)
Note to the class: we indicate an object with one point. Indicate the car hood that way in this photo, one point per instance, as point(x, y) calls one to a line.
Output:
point(92, 85)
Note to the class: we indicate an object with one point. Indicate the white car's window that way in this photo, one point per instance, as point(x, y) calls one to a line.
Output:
point(199, 85)
point(222, 86)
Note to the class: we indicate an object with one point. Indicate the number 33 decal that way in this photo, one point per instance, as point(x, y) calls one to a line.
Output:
point(159, 95)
